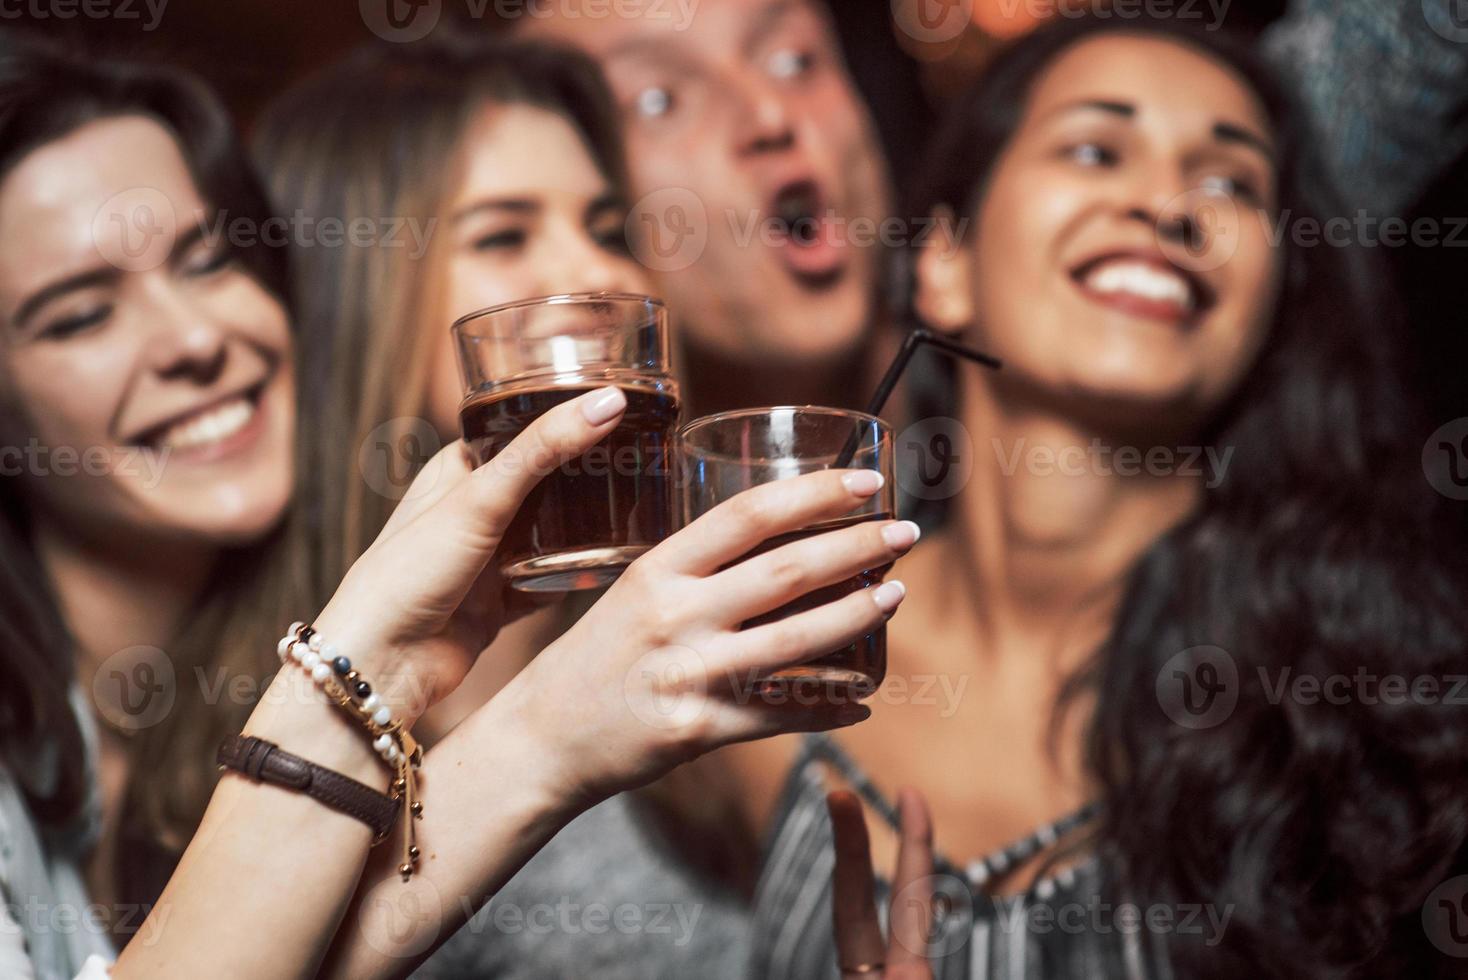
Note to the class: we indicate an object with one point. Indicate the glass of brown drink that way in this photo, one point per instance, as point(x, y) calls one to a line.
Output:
point(589, 518)
point(724, 454)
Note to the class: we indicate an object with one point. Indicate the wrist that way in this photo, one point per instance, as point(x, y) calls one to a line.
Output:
point(388, 669)
point(549, 765)
point(300, 718)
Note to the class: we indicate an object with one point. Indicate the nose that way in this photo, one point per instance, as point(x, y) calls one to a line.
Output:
point(764, 123)
point(184, 342)
point(581, 265)
point(1159, 196)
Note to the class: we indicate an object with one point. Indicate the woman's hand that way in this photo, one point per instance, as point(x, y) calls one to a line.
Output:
point(860, 949)
point(659, 670)
point(425, 599)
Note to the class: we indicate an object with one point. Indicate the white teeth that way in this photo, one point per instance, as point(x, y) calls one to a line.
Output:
point(219, 422)
point(1140, 279)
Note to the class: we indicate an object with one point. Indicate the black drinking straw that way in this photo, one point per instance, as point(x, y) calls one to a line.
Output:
point(919, 335)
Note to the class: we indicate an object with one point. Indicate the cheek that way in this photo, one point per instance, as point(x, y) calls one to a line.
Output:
point(1255, 271)
point(1015, 273)
point(254, 313)
point(475, 284)
point(655, 161)
point(445, 389)
point(1252, 279)
point(69, 398)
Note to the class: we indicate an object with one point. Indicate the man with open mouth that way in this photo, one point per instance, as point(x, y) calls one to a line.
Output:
point(759, 192)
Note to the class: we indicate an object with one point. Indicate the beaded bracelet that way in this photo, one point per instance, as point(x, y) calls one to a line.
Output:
point(334, 675)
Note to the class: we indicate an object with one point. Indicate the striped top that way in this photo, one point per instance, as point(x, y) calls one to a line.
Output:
point(1061, 928)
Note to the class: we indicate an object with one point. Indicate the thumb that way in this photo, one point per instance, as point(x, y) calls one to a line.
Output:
point(453, 539)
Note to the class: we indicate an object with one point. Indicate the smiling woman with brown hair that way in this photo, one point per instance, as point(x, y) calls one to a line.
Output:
point(176, 357)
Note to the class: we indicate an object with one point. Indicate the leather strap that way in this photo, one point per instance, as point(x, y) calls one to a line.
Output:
point(267, 762)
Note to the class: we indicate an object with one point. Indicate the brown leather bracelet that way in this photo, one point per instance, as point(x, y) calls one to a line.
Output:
point(267, 762)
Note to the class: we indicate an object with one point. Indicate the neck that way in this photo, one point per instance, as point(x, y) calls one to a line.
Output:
point(113, 596)
point(1045, 533)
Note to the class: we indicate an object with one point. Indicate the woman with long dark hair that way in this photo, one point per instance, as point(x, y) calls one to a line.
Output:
point(1194, 535)
point(158, 359)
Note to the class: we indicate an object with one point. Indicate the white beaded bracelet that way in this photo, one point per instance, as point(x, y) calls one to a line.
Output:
point(334, 675)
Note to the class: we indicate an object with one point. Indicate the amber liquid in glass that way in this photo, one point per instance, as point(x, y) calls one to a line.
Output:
point(852, 672)
point(589, 518)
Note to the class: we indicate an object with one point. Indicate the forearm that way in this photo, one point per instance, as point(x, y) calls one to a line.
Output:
point(266, 879)
point(490, 802)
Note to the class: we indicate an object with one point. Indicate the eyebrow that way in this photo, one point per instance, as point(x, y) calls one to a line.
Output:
point(514, 205)
point(1231, 133)
point(1124, 109)
point(766, 20)
point(103, 275)
point(1224, 132)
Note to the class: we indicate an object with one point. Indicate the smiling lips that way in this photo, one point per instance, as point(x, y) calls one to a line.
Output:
point(209, 426)
point(212, 432)
point(1143, 285)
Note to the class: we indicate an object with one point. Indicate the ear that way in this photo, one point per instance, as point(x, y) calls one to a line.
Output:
point(942, 273)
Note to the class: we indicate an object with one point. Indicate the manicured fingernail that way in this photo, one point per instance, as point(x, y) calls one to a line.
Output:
point(863, 483)
point(901, 535)
point(889, 595)
point(853, 714)
point(603, 406)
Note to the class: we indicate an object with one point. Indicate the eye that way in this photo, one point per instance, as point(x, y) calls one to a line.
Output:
point(654, 102)
point(789, 63)
point(1239, 187)
point(79, 323)
point(511, 238)
point(612, 238)
point(1092, 155)
point(203, 261)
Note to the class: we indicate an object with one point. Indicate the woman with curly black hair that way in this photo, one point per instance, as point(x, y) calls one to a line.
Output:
point(1198, 631)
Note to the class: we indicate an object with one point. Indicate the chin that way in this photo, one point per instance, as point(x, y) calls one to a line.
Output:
point(229, 517)
point(822, 327)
